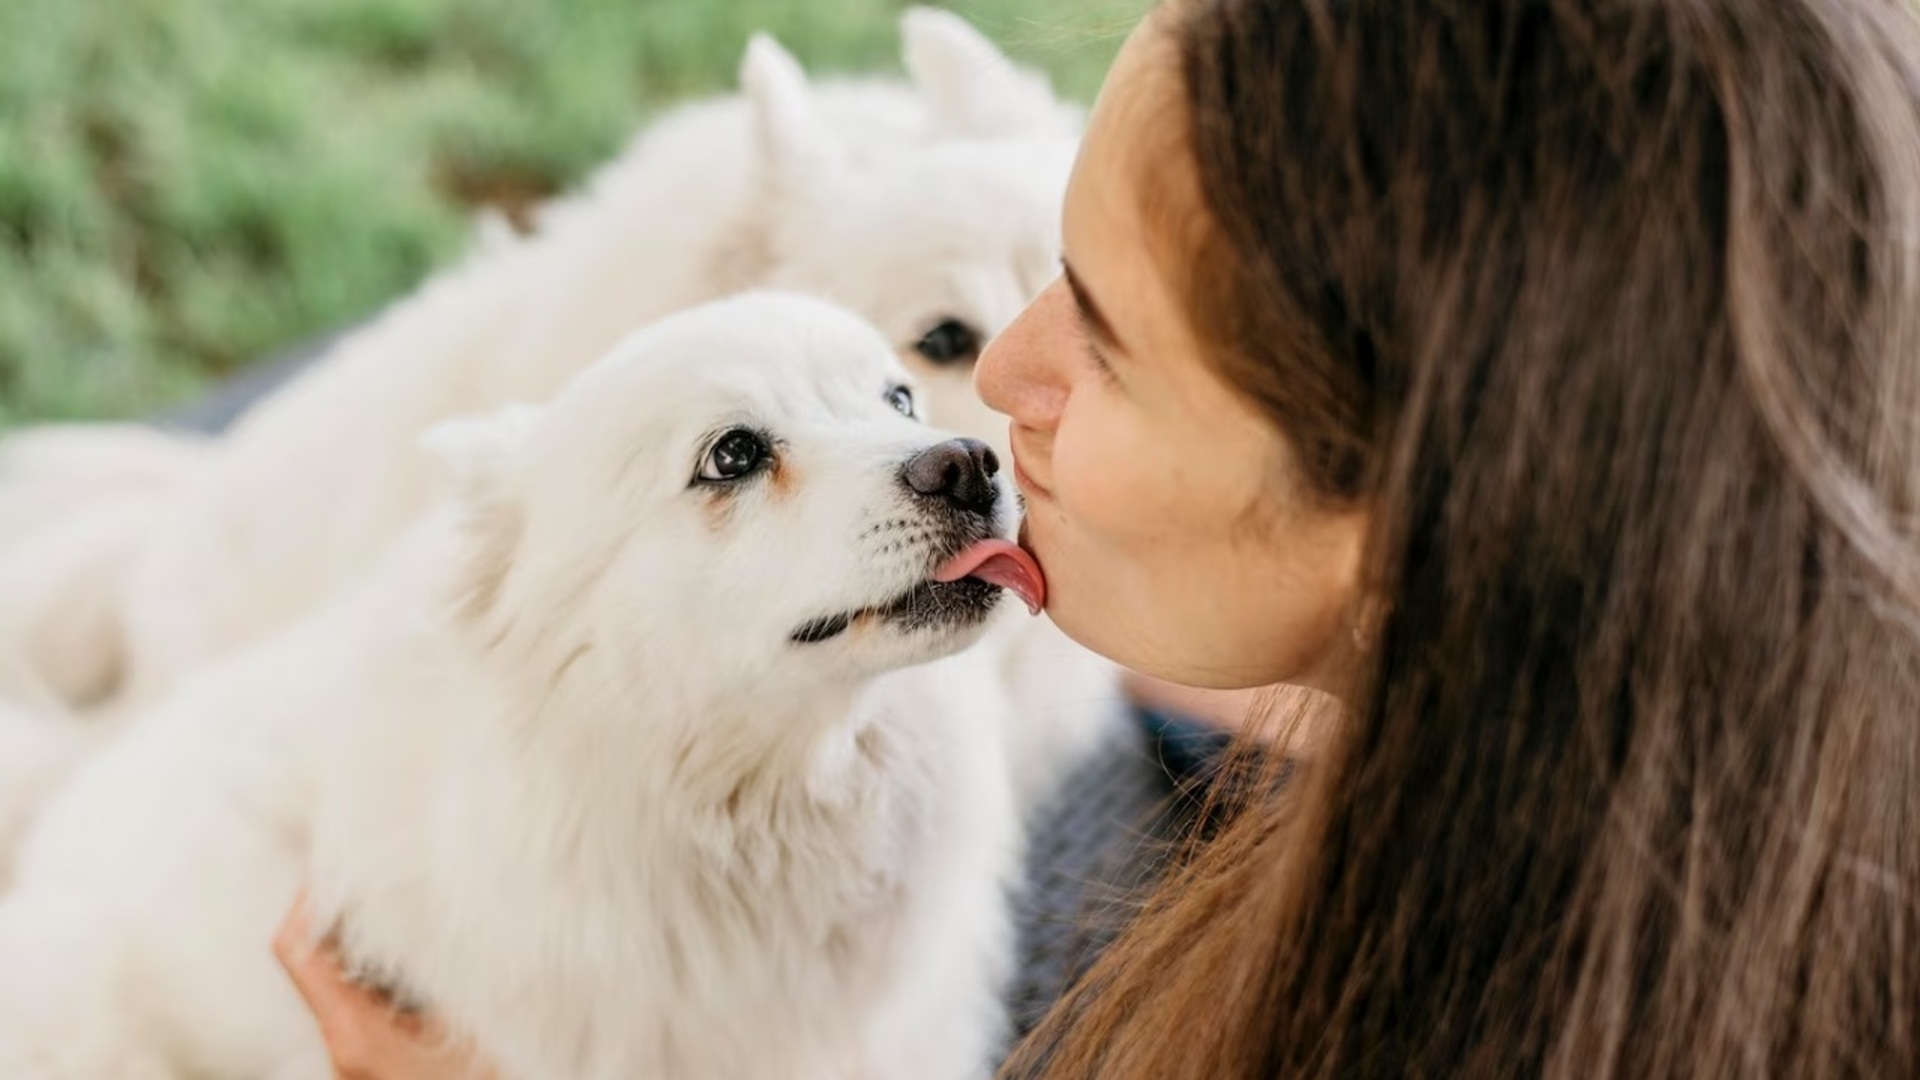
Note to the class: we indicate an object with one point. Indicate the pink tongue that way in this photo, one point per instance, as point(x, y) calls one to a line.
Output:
point(1003, 563)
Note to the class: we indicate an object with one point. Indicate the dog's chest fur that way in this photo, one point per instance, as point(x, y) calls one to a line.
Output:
point(703, 910)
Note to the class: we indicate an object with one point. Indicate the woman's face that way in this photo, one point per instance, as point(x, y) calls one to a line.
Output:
point(1177, 535)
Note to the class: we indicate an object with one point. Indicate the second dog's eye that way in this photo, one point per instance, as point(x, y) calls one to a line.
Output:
point(901, 399)
point(951, 342)
point(738, 453)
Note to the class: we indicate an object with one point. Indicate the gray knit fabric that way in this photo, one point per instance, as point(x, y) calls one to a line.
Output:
point(1093, 851)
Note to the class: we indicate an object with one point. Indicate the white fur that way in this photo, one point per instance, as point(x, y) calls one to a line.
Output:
point(557, 770)
point(75, 502)
point(37, 748)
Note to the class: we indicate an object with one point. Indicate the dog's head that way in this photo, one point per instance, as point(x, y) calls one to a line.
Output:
point(938, 241)
point(743, 493)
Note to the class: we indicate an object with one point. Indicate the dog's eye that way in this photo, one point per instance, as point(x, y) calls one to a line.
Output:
point(901, 399)
point(738, 453)
point(951, 342)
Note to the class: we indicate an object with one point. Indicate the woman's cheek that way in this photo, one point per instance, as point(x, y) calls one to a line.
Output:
point(1099, 480)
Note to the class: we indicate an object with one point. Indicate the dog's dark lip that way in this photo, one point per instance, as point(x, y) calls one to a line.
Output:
point(822, 629)
point(952, 603)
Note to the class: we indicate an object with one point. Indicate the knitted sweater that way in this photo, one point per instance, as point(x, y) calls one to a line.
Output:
point(1099, 844)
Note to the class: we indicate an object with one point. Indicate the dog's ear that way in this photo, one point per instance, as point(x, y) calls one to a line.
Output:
point(796, 147)
point(476, 449)
point(479, 451)
point(976, 90)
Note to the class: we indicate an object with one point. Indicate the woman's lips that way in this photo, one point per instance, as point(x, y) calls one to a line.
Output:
point(1029, 487)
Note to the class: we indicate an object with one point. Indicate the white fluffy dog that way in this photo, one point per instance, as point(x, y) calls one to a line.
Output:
point(37, 749)
point(614, 762)
point(932, 210)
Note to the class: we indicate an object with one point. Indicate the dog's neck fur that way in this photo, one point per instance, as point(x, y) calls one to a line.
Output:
point(767, 832)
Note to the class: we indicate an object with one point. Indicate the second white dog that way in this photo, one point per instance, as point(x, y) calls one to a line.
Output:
point(614, 762)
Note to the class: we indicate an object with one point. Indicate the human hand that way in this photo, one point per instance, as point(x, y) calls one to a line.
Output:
point(366, 1037)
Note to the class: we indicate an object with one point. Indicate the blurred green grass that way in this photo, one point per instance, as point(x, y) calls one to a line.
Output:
point(188, 184)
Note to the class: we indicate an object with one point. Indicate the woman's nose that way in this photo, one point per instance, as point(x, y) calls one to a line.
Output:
point(1023, 372)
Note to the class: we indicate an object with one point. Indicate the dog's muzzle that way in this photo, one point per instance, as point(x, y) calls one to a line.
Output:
point(953, 482)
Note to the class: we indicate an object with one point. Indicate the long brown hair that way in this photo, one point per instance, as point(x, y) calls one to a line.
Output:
point(1609, 312)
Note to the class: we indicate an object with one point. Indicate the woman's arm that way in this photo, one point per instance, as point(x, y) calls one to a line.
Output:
point(366, 1038)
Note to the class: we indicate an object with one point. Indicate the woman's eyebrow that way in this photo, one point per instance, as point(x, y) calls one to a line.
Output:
point(1089, 311)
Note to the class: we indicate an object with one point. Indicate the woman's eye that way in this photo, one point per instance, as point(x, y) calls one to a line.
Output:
point(738, 453)
point(951, 342)
point(901, 399)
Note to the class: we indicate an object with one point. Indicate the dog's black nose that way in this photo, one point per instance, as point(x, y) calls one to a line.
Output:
point(960, 471)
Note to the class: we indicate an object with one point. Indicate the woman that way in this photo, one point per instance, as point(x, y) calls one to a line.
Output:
point(1539, 377)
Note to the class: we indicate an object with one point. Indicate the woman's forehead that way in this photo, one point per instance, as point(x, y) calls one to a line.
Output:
point(1139, 118)
point(1134, 199)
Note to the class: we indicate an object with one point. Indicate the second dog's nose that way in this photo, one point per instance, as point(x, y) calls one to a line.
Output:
point(958, 470)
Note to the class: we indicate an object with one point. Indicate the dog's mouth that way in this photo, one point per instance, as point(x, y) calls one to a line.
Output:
point(962, 590)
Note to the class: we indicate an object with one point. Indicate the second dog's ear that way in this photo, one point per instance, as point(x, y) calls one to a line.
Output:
point(795, 145)
point(976, 90)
